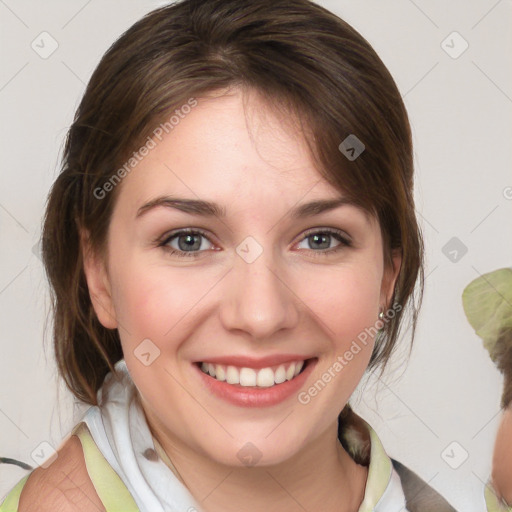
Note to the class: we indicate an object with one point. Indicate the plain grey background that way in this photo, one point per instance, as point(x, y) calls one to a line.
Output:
point(439, 413)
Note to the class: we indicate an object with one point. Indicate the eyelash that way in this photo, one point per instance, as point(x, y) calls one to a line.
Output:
point(344, 242)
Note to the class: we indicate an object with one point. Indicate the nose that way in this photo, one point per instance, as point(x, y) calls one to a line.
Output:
point(257, 298)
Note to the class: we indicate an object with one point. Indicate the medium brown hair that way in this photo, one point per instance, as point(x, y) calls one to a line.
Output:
point(303, 60)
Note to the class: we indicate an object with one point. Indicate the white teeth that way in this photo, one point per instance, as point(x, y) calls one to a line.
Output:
point(232, 375)
point(280, 375)
point(247, 377)
point(250, 377)
point(265, 378)
point(220, 373)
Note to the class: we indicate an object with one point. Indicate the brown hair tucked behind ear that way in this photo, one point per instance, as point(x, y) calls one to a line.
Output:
point(305, 61)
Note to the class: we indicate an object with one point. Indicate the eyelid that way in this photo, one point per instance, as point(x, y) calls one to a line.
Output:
point(342, 237)
point(166, 237)
point(319, 229)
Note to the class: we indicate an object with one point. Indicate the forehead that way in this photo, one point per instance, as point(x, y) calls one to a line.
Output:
point(233, 150)
point(226, 134)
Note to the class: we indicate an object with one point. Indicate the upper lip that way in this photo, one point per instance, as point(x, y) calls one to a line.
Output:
point(252, 362)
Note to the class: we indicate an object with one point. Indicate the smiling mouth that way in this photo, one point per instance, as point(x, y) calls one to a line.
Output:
point(254, 377)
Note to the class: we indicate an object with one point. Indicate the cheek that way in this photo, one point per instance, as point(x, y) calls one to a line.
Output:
point(345, 304)
point(151, 305)
point(161, 303)
point(148, 300)
point(345, 300)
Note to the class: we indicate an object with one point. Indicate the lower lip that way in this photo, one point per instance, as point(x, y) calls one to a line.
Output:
point(253, 396)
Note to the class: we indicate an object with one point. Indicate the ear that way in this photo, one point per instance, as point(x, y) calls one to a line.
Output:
point(98, 283)
point(389, 278)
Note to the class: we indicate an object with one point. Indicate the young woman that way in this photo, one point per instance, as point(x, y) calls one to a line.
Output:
point(231, 245)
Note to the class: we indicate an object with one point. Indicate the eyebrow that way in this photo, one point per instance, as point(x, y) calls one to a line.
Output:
point(210, 209)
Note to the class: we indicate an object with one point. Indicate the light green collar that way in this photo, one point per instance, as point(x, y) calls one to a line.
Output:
point(379, 473)
point(492, 502)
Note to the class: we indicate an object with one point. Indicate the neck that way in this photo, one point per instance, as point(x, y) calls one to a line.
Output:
point(321, 476)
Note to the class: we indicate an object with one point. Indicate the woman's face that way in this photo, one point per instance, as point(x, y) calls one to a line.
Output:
point(267, 284)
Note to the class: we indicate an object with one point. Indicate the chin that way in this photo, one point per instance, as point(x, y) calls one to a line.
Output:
point(253, 453)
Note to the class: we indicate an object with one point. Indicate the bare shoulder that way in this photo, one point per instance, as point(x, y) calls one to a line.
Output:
point(63, 486)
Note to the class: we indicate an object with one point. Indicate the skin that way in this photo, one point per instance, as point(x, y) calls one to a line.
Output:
point(64, 485)
point(294, 298)
point(501, 468)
